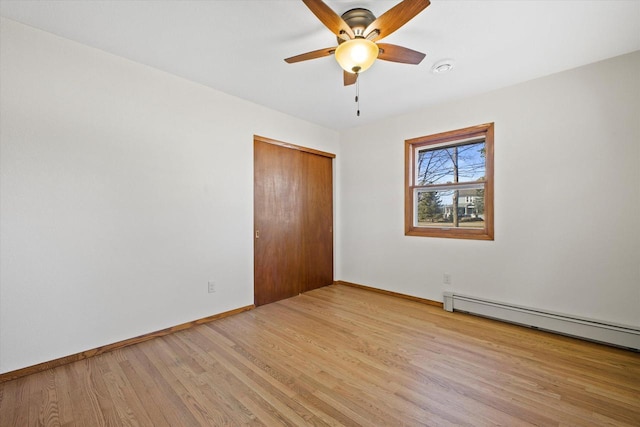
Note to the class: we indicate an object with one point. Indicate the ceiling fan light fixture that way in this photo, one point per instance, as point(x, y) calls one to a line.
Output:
point(356, 55)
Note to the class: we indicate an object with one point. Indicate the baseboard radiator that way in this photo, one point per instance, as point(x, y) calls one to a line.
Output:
point(593, 330)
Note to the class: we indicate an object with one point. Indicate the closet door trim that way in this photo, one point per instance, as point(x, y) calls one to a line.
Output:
point(293, 146)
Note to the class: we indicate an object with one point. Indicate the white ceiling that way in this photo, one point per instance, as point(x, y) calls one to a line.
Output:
point(238, 47)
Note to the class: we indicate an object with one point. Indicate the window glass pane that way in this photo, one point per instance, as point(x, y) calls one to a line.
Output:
point(449, 184)
point(450, 208)
point(461, 163)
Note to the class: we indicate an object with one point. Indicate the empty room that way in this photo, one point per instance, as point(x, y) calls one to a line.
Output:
point(328, 213)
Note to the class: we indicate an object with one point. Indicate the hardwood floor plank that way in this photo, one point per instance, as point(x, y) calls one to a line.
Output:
point(129, 408)
point(14, 404)
point(150, 408)
point(65, 402)
point(82, 402)
point(338, 356)
point(160, 388)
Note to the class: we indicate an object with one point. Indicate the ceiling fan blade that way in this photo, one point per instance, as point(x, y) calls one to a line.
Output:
point(329, 18)
point(349, 78)
point(394, 53)
point(311, 55)
point(394, 18)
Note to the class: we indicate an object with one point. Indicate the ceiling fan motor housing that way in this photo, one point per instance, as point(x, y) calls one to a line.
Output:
point(358, 19)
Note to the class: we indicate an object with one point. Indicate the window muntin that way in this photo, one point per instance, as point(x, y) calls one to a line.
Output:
point(449, 181)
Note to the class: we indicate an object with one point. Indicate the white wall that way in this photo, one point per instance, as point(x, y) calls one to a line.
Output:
point(123, 191)
point(567, 198)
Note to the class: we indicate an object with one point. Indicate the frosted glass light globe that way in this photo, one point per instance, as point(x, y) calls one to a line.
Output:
point(357, 55)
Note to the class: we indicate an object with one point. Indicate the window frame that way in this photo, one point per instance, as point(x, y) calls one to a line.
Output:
point(443, 140)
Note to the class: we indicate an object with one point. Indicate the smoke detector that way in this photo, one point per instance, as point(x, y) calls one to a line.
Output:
point(442, 67)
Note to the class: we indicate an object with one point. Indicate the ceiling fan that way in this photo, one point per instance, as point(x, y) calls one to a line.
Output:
point(358, 30)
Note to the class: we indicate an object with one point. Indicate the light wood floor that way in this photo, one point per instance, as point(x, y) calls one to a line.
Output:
point(339, 356)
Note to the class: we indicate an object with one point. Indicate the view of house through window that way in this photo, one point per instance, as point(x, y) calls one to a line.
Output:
point(450, 184)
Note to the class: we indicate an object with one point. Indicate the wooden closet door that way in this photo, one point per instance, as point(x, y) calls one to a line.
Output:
point(277, 207)
point(317, 217)
point(293, 217)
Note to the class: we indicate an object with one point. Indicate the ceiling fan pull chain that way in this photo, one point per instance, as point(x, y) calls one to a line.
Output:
point(358, 95)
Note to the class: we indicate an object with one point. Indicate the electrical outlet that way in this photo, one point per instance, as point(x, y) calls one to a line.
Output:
point(446, 279)
point(211, 287)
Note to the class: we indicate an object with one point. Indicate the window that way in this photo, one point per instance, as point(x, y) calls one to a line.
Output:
point(449, 184)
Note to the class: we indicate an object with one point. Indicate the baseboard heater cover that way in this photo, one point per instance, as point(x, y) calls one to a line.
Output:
point(593, 330)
